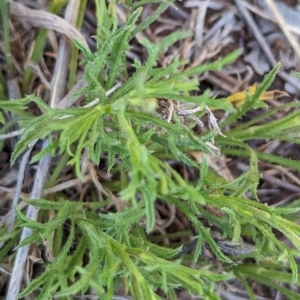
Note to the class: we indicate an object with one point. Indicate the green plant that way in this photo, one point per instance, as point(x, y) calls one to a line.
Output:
point(136, 142)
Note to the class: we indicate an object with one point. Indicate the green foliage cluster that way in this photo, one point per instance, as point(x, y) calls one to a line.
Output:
point(109, 251)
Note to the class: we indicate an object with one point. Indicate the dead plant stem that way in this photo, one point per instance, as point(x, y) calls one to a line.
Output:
point(58, 91)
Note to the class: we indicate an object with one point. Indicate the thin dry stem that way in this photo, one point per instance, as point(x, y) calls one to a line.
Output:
point(32, 212)
point(60, 75)
point(18, 189)
point(66, 185)
point(39, 18)
point(258, 11)
point(264, 46)
point(283, 26)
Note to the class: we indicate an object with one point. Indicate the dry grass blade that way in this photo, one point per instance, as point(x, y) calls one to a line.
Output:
point(58, 84)
point(265, 47)
point(199, 30)
point(60, 75)
point(258, 11)
point(17, 192)
point(39, 18)
point(283, 26)
point(66, 184)
point(21, 257)
point(256, 32)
